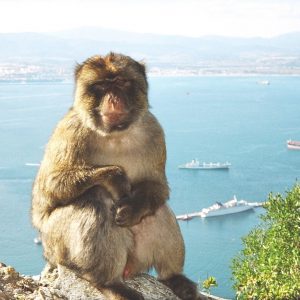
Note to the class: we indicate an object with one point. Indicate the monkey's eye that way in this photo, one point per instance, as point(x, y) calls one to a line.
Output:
point(98, 87)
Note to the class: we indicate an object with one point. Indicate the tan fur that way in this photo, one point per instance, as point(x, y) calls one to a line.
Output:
point(99, 199)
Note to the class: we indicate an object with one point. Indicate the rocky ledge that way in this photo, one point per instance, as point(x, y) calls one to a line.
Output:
point(61, 283)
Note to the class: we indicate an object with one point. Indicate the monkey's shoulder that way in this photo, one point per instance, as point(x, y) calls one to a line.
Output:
point(71, 126)
point(151, 120)
point(70, 139)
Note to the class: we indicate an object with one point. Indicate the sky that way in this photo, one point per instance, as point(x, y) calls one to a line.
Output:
point(241, 18)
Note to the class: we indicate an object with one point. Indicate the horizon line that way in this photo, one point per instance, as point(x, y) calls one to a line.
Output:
point(149, 33)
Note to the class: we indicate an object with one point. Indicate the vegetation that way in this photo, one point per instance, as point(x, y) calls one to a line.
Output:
point(208, 283)
point(269, 265)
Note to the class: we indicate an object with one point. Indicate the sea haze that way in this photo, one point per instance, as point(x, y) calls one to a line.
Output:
point(215, 119)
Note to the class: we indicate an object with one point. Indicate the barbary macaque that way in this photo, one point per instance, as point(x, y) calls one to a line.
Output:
point(99, 198)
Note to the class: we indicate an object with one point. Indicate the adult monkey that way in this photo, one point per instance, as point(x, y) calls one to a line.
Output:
point(99, 199)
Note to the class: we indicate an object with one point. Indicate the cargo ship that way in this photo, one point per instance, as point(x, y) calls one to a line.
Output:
point(195, 164)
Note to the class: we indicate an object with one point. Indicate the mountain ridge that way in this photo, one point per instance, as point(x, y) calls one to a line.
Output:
point(213, 53)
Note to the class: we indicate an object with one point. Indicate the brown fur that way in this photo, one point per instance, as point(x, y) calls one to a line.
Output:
point(99, 199)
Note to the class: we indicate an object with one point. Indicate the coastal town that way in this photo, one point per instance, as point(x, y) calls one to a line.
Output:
point(30, 72)
point(27, 57)
point(33, 72)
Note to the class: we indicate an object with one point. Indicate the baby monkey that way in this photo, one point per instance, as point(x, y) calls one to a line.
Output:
point(99, 198)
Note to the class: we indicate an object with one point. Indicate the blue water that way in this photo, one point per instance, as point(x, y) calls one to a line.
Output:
point(210, 118)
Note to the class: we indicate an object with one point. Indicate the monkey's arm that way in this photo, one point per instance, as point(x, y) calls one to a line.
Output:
point(66, 171)
point(152, 190)
point(63, 186)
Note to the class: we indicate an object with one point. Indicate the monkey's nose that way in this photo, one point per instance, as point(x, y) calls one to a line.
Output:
point(116, 104)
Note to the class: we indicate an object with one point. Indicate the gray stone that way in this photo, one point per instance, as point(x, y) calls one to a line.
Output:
point(63, 284)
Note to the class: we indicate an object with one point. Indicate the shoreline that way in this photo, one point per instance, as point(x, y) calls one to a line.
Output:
point(153, 75)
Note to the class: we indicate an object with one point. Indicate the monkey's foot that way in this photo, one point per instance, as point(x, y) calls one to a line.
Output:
point(183, 287)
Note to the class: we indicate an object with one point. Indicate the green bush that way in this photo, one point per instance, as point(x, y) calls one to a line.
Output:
point(268, 267)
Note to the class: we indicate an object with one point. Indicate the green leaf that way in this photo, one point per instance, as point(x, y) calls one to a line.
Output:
point(268, 267)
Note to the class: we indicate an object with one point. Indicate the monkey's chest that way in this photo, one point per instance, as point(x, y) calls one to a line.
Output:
point(133, 156)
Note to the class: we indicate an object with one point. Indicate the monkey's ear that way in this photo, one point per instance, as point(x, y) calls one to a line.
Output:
point(78, 69)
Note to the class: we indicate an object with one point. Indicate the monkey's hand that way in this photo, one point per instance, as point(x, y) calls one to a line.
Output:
point(115, 182)
point(128, 212)
point(146, 198)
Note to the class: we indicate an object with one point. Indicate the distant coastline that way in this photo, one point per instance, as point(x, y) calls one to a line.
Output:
point(218, 74)
point(162, 73)
point(53, 57)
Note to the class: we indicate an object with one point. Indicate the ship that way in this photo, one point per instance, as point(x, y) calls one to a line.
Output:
point(220, 209)
point(37, 240)
point(264, 82)
point(230, 207)
point(293, 145)
point(195, 164)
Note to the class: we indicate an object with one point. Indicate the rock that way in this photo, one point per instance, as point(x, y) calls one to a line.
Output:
point(15, 286)
point(63, 284)
point(72, 287)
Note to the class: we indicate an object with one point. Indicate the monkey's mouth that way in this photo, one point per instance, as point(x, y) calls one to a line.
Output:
point(114, 111)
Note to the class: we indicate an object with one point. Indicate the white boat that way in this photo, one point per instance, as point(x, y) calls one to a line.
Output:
point(28, 164)
point(230, 207)
point(264, 82)
point(293, 145)
point(196, 164)
point(186, 217)
point(219, 209)
point(37, 240)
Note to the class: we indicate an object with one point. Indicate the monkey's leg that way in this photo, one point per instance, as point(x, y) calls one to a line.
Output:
point(84, 238)
point(159, 243)
point(169, 263)
point(107, 273)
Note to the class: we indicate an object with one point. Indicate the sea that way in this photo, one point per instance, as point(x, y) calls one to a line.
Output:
point(214, 119)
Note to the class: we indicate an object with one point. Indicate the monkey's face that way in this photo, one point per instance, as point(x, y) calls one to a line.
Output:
point(112, 90)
